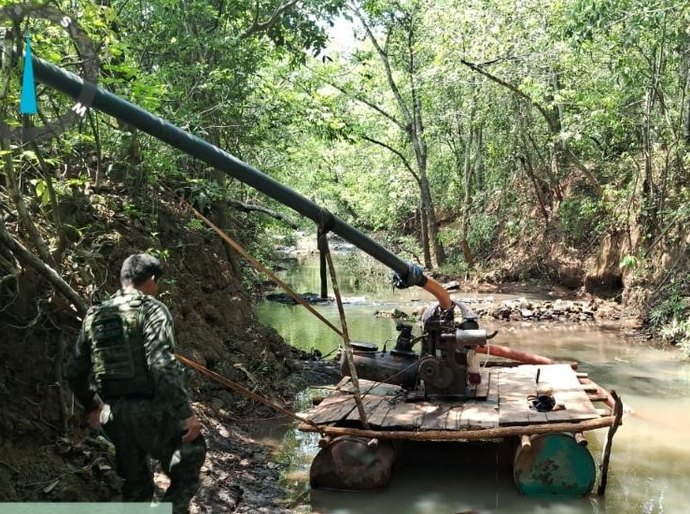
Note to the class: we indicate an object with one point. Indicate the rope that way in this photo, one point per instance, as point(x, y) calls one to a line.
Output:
point(326, 220)
point(243, 390)
point(240, 249)
point(326, 223)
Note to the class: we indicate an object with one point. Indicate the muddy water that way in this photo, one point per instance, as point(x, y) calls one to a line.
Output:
point(650, 466)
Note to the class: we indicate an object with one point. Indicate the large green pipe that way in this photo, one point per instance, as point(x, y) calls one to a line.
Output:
point(104, 101)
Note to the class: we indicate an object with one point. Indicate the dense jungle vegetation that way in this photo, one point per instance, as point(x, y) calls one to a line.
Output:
point(489, 139)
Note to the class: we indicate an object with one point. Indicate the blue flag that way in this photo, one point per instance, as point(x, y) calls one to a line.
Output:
point(28, 101)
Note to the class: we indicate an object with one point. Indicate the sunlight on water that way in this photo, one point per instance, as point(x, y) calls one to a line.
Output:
point(650, 464)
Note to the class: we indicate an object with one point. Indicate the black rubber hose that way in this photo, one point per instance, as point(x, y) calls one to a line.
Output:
point(72, 85)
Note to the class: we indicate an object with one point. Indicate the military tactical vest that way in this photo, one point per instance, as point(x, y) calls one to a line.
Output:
point(118, 356)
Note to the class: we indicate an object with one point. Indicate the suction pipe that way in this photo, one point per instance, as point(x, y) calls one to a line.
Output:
point(407, 274)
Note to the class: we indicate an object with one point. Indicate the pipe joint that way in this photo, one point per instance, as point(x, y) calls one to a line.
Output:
point(414, 277)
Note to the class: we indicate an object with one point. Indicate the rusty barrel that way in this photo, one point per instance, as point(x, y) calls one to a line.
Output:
point(353, 464)
point(553, 465)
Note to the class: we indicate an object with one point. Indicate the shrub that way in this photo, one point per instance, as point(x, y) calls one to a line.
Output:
point(482, 232)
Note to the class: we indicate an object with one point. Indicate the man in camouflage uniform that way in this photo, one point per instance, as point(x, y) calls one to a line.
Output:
point(123, 372)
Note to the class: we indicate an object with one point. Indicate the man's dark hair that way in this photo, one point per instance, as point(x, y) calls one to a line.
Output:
point(138, 268)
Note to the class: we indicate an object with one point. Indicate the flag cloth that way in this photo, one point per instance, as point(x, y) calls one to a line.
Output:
point(28, 100)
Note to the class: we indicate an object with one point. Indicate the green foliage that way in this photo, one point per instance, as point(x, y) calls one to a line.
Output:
point(61, 188)
point(678, 332)
point(587, 76)
point(161, 253)
point(629, 262)
point(196, 224)
point(482, 232)
point(671, 318)
point(670, 310)
point(451, 239)
point(581, 218)
point(203, 193)
point(456, 268)
point(360, 270)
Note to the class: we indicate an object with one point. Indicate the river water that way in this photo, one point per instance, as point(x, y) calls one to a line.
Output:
point(650, 464)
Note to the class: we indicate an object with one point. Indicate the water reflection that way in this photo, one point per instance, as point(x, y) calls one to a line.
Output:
point(650, 463)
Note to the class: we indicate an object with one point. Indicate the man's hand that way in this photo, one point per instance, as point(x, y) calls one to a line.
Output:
point(95, 417)
point(192, 427)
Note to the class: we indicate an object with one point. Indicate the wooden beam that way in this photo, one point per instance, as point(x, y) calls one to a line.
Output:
point(464, 435)
point(606, 452)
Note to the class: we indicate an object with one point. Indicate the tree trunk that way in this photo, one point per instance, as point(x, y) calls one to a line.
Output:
point(410, 122)
point(527, 166)
point(424, 228)
point(431, 222)
point(467, 203)
point(464, 227)
point(686, 99)
point(647, 216)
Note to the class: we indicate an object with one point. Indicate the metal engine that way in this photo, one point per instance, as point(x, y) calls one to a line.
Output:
point(447, 365)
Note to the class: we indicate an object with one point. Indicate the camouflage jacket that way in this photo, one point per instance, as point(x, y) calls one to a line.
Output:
point(166, 373)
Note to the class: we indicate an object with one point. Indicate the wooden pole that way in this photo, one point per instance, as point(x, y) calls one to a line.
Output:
point(466, 435)
point(346, 341)
point(217, 377)
point(606, 453)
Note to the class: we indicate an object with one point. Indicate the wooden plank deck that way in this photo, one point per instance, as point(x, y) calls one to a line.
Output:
point(482, 413)
point(506, 403)
point(517, 383)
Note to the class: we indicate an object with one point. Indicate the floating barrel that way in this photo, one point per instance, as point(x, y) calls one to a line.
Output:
point(353, 464)
point(553, 465)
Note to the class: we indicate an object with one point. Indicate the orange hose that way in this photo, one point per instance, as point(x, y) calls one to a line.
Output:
point(435, 288)
point(516, 355)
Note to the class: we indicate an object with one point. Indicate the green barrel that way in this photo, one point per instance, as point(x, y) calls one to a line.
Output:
point(554, 465)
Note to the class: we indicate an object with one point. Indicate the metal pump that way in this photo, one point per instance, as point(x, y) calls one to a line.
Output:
point(404, 342)
point(449, 364)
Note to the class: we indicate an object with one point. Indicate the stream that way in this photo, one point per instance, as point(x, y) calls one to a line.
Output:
point(650, 464)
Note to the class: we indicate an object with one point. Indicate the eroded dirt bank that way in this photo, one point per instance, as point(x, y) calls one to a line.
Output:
point(46, 451)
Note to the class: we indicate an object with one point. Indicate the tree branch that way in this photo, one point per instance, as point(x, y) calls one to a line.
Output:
point(549, 120)
point(29, 259)
point(515, 90)
point(405, 162)
point(262, 26)
point(369, 104)
point(245, 207)
point(585, 171)
point(14, 190)
point(383, 55)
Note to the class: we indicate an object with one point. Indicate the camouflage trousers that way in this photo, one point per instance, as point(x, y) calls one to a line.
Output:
point(139, 428)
